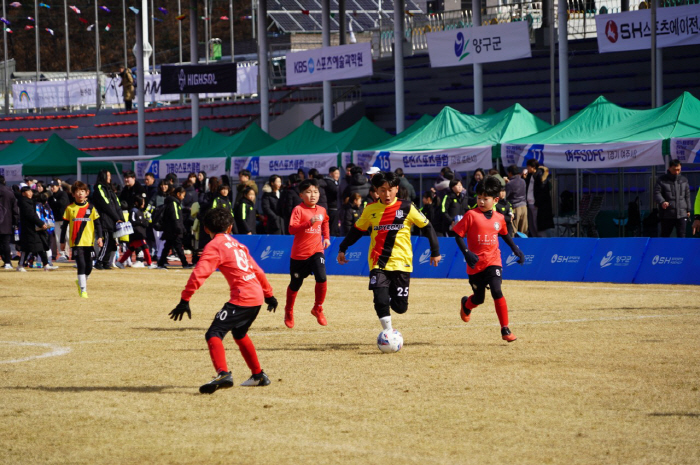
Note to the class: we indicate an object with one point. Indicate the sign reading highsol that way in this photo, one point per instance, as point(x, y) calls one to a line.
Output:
point(485, 44)
point(198, 79)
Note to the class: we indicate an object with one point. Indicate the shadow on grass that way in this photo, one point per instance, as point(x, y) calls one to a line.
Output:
point(177, 329)
point(328, 347)
point(675, 414)
point(137, 389)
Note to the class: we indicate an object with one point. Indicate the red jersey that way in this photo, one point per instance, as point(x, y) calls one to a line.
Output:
point(482, 237)
point(308, 238)
point(247, 281)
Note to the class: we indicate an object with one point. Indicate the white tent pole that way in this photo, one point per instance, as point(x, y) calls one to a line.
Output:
point(478, 72)
point(327, 91)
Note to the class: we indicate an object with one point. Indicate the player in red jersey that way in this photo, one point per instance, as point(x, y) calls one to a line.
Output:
point(309, 225)
point(249, 287)
point(482, 226)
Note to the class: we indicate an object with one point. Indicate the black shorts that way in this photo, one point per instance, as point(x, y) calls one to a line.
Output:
point(486, 278)
point(396, 281)
point(233, 318)
point(316, 264)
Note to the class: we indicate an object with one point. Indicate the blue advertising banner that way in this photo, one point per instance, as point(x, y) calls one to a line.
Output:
point(535, 251)
point(670, 261)
point(272, 253)
point(565, 259)
point(616, 260)
point(250, 241)
point(421, 257)
point(356, 256)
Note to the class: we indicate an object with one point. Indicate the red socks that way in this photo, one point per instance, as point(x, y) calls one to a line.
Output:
point(147, 256)
point(291, 297)
point(248, 351)
point(320, 293)
point(217, 354)
point(125, 256)
point(501, 311)
point(469, 304)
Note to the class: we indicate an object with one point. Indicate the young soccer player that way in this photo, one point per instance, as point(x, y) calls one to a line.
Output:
point(390, 250)
point(482, 226)
point(309, 226)
point(249, 288)
point(83, 223)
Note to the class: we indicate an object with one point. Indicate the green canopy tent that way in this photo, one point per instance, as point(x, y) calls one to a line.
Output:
point(207, 151)
point(684, 143)
point(460, 141)
point(12, 156)
point(362, 134)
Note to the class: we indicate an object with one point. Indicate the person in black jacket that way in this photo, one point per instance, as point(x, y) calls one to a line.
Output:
point(322, 197)
point(173, 229)
point(9, 219)
point(289, 199)
point(270, 206)
point(357, 183)
point(453, 206)
point(351, 212)
point(132, 190)
point(137, 240)
point(58, 202)
point(332, 186)
point(245, 212)
point(672, 194)
point(108, 206)
point(150, 187)
point(31, 229)
point(430, 211)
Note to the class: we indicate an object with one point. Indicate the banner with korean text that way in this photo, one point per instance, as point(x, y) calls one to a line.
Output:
point(283, 165)
point(160, 168)
point(329, 64)
point(12, 173)
point(631, 30)
point(429, 161)
point(608, 155)
point(47, 94)
point(486, 44)
point(686, 150)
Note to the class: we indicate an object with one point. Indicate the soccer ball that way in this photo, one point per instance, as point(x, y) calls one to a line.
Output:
point(390, 341)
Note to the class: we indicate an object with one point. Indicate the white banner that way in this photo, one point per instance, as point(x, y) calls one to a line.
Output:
point(428, 161)
point(247, 84)
point(631, 30)
point(283, 165)
point(486, 44)
point(160, 168)
point(329, 64)
point(686, 150)
point(607, 155)
point(46, 94)
point(12, 172)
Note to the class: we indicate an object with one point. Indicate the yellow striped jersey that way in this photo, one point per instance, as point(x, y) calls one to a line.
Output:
point(81, 219)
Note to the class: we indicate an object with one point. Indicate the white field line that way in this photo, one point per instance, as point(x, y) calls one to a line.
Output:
point(592, 287)
point(55, 351)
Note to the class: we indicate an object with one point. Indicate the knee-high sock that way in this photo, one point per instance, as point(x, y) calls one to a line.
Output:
point(147, 256)
point(502, 311)
point(249, 355)
point(291, 297)
point(469, 304)
point(125, 255)
point(217, 354)
point(320, 291)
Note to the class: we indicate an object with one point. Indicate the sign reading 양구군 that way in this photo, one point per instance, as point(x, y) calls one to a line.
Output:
point(631, 30)
point(198, 79)
point(486, 44)
point(329, 64)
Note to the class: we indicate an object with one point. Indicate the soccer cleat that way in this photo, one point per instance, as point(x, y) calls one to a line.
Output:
point(152, 266)
point(8, 266)
point(21, 269)
point(465, 312)
point(289, 318)
point(506, 335)
point(223, 380)
point(80, 291)
point(97, 266)
point(162, 268)
point(317, 311)
point(83, 294)
point(260, 379)
point(187, 266)
point(138, 265)
point(120, 265)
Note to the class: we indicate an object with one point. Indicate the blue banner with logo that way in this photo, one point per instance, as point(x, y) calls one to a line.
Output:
point(670, 261)
point(273, 252)
point(356, 256)
point(251, 241)
point(616, 260)
point(566, 259)
point(421, 257)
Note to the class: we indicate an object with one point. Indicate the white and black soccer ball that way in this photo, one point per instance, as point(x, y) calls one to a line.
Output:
point(390, 341)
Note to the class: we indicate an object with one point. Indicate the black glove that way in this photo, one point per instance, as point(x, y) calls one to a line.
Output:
point(182, 308)
point(521, 256)
point(271, 303)
point(471, 258)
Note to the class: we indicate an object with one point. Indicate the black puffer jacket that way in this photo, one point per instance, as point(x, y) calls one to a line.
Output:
point(675, 190)
point(107, 204)
point(173, 224)
point(358, 183)
point(30, 239)
point(270, 208)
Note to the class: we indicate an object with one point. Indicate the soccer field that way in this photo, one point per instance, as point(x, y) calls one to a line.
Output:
point(600, 373)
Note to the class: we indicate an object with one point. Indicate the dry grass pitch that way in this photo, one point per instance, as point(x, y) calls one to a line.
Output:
point(601, 373)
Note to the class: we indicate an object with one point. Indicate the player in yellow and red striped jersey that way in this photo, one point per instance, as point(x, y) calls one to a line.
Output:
point(390, 251)
point(83, 222)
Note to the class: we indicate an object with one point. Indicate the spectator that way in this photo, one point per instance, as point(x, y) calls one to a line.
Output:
point(538, 198)
point(132, 190)
point(243, 182)
point(202, 183)
point(159, 199)
point(222, 200)
point(672, 194)
point(477, 176)
point(301, 174)
point(453, 206)
point(9, 220)
point(372, 171)
point(289, 199)
point(151, 189)
point(344, 183)
point(351, 212)
point(270, 206)
point(173, 229)
point(58, 202)
point(105, 201)
point(515, 194)
point(323, 198)
point(48, 240)
point(127, 83)
point(332, 184)
point(406, 184)
point(442, 183)
point(245, 216)
point(430, 210)
point(357, 183)
point(205, 204)
point(372, 196)
point(31, 229)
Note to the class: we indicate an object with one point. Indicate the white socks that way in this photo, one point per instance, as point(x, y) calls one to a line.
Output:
point(386, 323)
point(82, 281)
